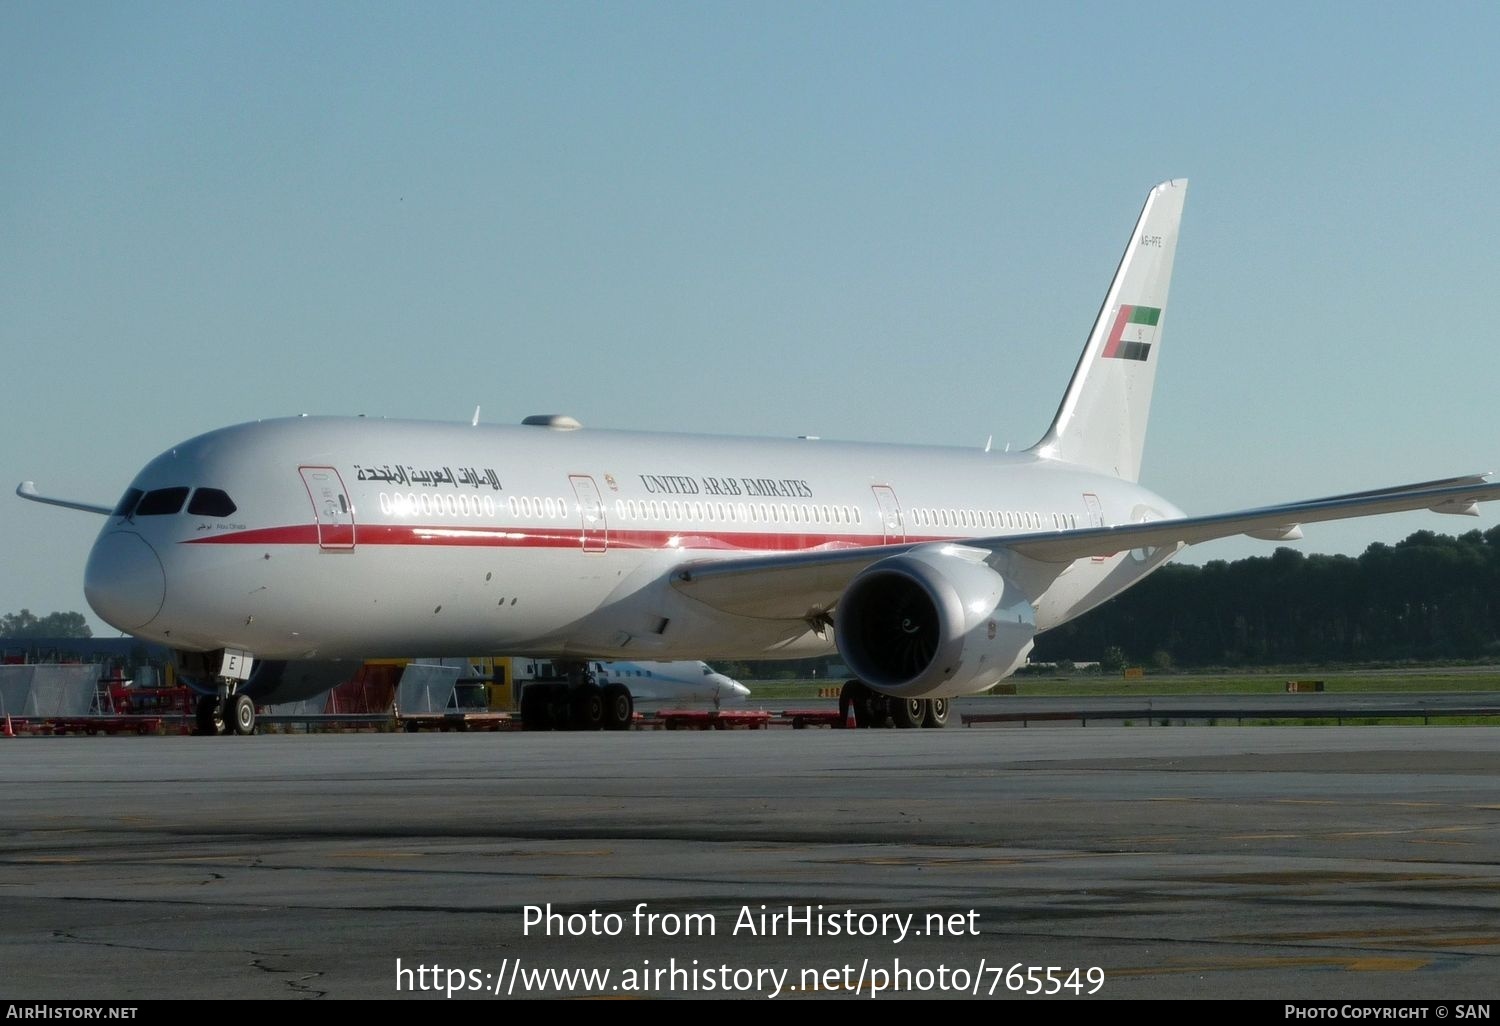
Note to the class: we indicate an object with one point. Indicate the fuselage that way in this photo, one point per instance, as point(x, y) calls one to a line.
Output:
point(325, 538)
point(681, 680)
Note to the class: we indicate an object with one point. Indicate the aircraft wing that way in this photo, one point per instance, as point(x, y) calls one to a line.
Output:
point(1062, 546)
point(806, 585)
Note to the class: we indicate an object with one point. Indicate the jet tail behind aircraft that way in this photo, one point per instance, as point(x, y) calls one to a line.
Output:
point(1101, 423)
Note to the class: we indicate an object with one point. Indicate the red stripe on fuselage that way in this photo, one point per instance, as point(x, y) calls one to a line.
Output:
point(551, 538)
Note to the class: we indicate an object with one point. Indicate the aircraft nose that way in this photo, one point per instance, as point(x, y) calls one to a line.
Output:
point(124, 581)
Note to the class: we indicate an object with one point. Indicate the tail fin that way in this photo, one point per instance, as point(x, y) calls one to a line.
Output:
point(1102, 420)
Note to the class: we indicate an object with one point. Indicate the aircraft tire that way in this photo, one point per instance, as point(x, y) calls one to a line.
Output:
point(908, 712)
point(534, 712)
point(871, 708)
point(619, 707)
point(208, 716)
point(240, 716)
point(937, 713)
point(588, 708)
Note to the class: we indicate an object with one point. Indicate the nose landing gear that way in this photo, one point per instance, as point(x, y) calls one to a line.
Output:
point(209, 718)
point(227, 711)
point(233, 714)
point(241, 715)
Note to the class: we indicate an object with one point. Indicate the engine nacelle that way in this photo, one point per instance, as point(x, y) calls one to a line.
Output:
point(932, 623)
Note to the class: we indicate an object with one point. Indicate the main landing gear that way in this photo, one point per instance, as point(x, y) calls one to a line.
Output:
point(873, 709)
point(579, 703)
point(224, 714)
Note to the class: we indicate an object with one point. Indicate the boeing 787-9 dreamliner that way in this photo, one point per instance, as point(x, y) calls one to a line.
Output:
point(930, 570)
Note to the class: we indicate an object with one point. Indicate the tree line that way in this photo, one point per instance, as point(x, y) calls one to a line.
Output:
point(1429, 597)
point(27, 624)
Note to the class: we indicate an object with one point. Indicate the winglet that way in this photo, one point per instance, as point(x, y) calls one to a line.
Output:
point(27, 490)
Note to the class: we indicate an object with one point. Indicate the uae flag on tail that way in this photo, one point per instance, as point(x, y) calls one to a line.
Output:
point(1131, 335)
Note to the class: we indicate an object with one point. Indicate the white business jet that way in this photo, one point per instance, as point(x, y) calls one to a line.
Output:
point(931, 570)
point(679, 680)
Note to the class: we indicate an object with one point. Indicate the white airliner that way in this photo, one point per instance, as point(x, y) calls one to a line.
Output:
point(930, 569)
point(618, 685)
point(677, 680)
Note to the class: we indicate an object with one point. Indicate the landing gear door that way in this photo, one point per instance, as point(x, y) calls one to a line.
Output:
point(591, 510)
point(331, 508)
point(890, 514)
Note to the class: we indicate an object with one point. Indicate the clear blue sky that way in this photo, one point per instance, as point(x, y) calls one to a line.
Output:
point(855, 220)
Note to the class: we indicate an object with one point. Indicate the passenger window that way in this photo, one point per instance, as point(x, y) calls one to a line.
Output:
point(213, 502)
point(127, 502)
point(161, 502)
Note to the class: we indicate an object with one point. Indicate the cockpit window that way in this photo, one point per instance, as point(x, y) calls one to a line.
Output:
point(211, 502)
point(127, 502)
point(161, 502)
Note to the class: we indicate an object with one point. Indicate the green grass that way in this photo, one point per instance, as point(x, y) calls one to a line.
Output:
point(1414, 680)
point(1371, 721)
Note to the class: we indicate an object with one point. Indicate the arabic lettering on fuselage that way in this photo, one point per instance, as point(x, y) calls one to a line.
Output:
point(753, 487)
point(428, 477)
